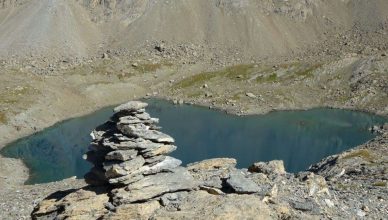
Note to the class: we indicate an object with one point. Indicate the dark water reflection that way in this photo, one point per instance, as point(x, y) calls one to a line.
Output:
point(300, 138)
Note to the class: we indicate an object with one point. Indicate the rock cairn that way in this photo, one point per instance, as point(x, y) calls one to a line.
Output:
point(130, 153)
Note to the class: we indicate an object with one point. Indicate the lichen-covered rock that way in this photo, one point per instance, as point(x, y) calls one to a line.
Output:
point(212, 164)
point(87, 203)
point(202, 205)
point(272, 167)
point(140, 211)
point(211, 173)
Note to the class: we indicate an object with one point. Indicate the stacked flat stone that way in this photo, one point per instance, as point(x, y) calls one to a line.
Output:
point(130, 153)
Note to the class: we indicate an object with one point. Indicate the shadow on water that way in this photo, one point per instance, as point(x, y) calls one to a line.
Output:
point(56, 152)
point(300, 138)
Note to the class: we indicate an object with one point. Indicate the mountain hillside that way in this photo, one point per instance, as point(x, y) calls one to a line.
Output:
point(47, 28)
point(259, 28)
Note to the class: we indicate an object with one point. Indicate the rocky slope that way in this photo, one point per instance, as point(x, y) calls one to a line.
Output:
point(133, 178)
point(53, 29)
point(47, 30)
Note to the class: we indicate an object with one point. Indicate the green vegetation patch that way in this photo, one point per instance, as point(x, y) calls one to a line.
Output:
point(266, 74)
point(12, 96)
point(380, 184)
point(237, 72)
point(362, 153)
point(269, 78)
point(237, 96)
point(195, 80)
point(151, 67)
point(308, 72)
point(195, 95)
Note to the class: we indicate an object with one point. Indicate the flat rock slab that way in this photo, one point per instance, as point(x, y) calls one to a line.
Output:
point(155, 185)
point(168, 164)
point(137, 144)
point(202, 205)
point(143, 131)
point(211, 164)
point(154, 160)
point(118, 168)
point(134, 211)
point(132, 120)
point(131, 106)
point(241, 184)
point(163, 149)
point(121, 155)
point(127, 179)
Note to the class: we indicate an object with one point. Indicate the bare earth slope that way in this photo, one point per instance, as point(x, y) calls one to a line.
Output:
point(261, 28)
point(258, 28)
point(47, 28)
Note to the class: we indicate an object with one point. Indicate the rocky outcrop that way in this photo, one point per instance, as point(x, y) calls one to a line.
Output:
point(134, 178)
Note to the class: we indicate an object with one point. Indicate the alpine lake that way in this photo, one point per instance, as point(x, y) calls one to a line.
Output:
point(299, 138)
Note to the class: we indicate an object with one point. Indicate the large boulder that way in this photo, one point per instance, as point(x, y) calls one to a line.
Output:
point(86, 203)
point(241, 184)
point(272, 167)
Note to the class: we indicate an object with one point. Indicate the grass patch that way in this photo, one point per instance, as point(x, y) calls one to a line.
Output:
point(237, 96)
point(308, 72)
point(243, 72)
point(238, 72)
point(151, 67)
point(363, 153)
point(194, 95)
point(195, 80)
point(380, 184)
point(271, 78)
point(12, 96)
point(343, 98)
point(346, 186)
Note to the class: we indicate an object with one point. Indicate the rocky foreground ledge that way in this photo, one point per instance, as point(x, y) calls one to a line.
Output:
point(134, 178)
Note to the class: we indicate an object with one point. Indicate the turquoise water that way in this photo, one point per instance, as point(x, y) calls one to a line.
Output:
point(300, 138)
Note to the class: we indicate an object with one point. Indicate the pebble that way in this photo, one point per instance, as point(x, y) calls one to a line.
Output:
point(251, 95)
point(361, 213)
point(329, 203)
